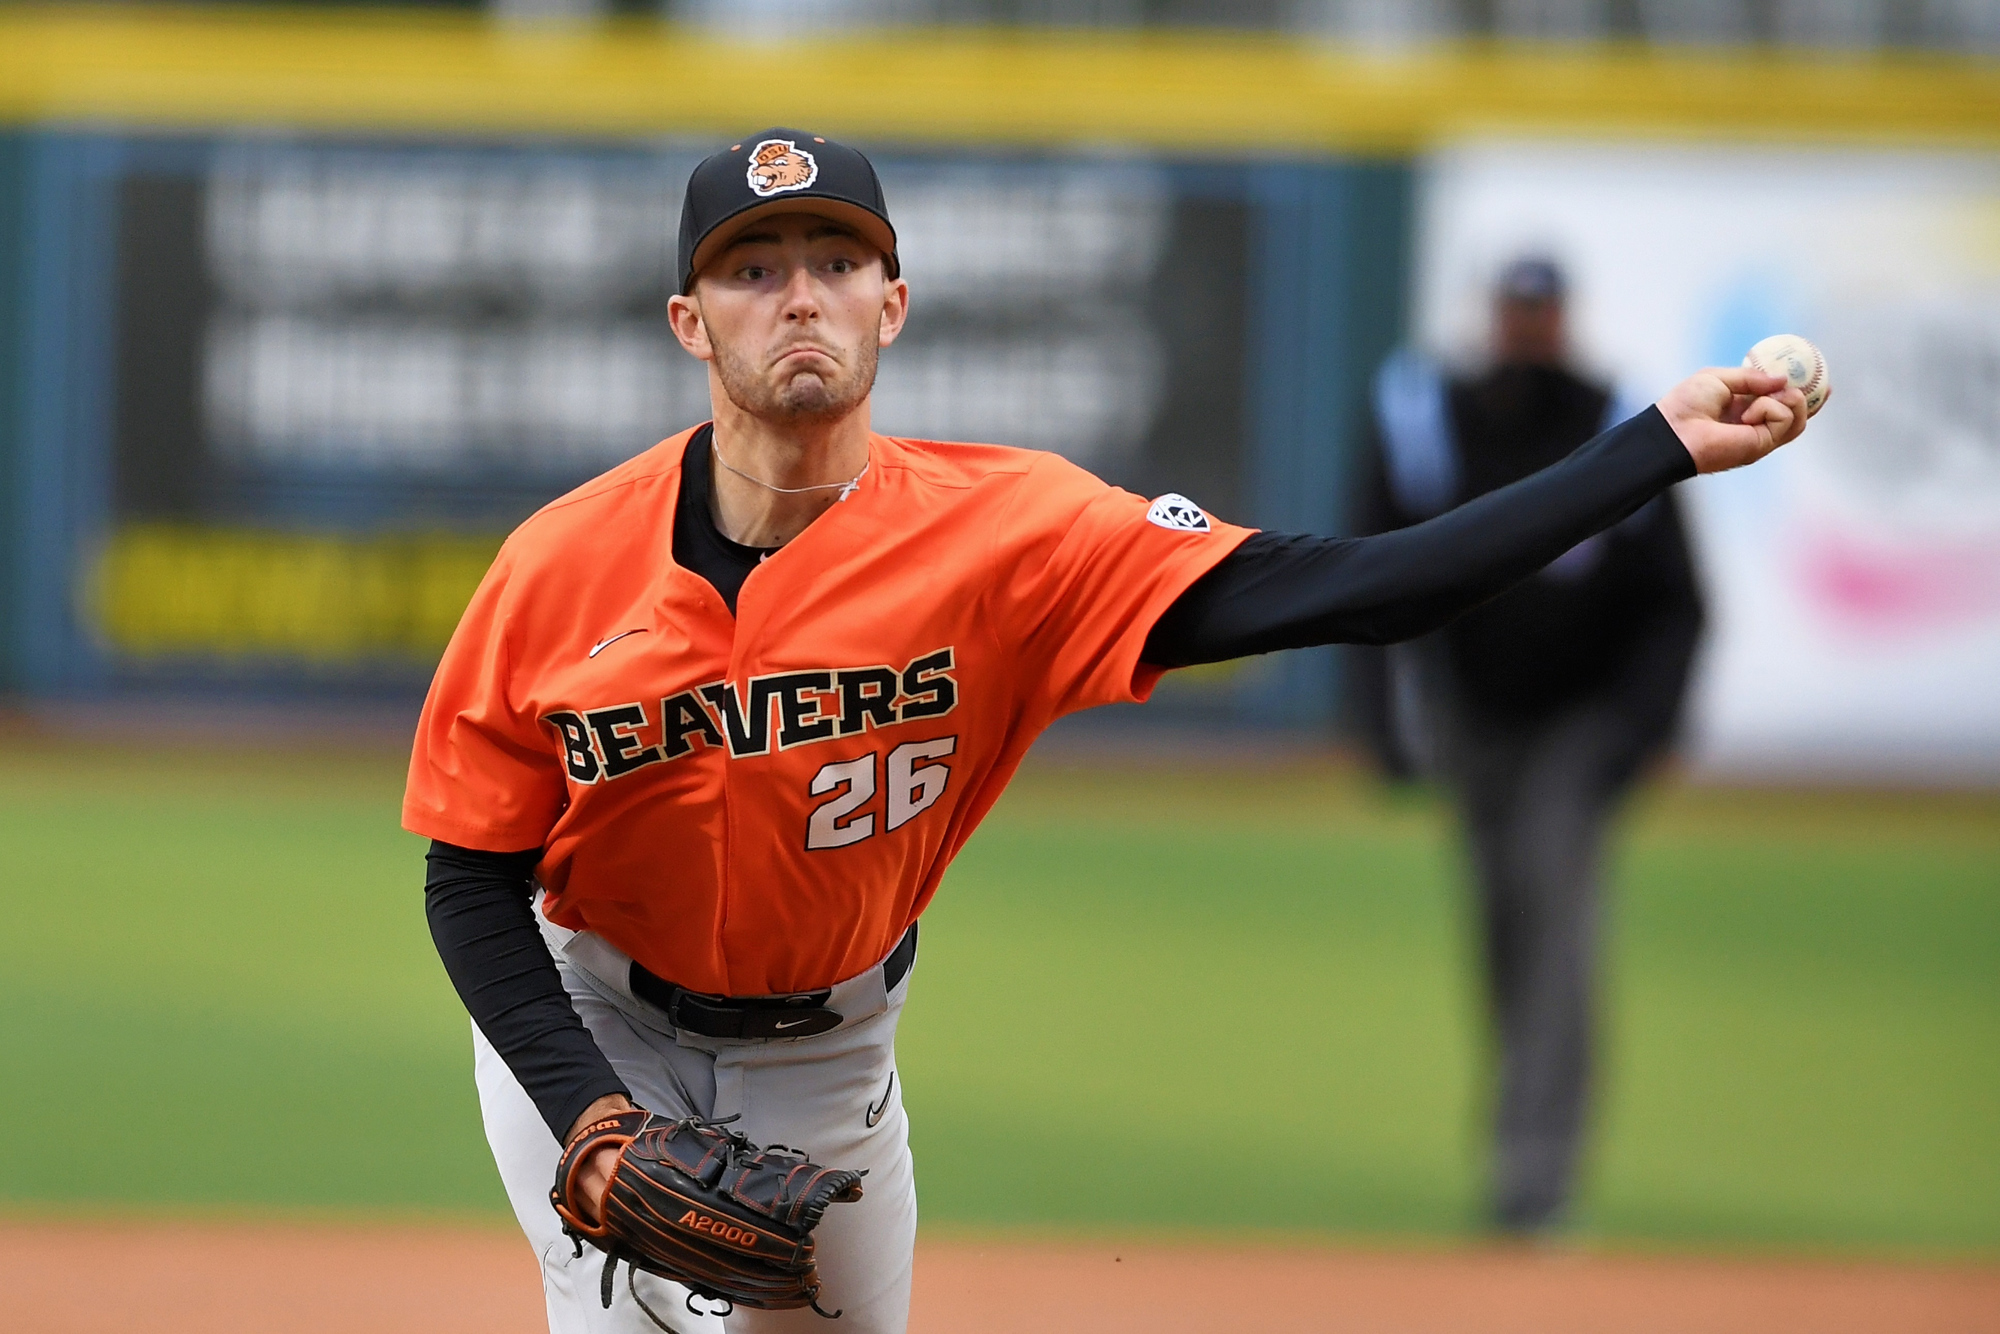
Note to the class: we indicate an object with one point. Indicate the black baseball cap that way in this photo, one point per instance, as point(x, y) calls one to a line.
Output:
point(781, 171)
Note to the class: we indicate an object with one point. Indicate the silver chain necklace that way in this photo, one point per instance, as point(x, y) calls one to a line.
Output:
point(845, 488)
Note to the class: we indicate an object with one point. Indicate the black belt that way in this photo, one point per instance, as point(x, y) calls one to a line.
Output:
point(795, 1016)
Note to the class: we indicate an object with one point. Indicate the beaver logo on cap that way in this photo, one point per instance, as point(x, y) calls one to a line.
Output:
point(778, 165)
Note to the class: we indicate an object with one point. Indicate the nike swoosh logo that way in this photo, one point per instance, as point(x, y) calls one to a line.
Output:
point(604, 644)
point(876, 1109)
point(783, 1024)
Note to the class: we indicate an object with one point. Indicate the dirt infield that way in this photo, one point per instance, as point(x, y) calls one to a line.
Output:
point(329, 1279)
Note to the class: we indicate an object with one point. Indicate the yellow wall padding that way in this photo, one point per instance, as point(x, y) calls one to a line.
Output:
point(1202, 92)
point(174, 590)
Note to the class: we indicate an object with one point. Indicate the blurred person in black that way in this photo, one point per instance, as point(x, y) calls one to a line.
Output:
point(1536, 710)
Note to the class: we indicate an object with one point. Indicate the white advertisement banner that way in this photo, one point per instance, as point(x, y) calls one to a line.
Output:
point(1853, 580)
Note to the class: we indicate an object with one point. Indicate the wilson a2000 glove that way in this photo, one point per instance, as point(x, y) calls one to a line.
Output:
point(705, 1207)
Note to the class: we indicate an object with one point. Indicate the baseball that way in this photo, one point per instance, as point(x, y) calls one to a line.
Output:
point(1799, 362)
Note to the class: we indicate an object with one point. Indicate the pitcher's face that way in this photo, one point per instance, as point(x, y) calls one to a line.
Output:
point(792, 315)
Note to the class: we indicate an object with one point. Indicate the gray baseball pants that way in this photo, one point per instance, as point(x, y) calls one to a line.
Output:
point(1535, 800)
point(834, 1096)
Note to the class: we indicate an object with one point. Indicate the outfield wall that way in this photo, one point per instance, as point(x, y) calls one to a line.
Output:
point(283, 394)
point(305, 310)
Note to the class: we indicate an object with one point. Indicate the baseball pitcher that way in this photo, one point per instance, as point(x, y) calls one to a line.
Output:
point(715, 724)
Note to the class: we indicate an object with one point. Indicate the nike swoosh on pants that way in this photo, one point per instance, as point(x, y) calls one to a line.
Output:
point(875, 1109)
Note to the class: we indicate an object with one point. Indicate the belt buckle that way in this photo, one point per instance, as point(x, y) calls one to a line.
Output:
point(800, 1015)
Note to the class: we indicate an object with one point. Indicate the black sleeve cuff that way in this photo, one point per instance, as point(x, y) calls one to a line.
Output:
point(1674, 461)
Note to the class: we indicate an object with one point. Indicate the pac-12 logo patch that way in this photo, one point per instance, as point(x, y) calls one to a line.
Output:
point(1177, 512)
point(778, 165)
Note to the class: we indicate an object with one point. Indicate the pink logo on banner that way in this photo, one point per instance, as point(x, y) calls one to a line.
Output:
point(1877, 586)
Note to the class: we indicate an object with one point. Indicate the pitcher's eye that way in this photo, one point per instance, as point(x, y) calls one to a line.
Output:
point(840, 266)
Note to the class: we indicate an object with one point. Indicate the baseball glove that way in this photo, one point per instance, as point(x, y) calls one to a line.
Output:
point(706, 1208)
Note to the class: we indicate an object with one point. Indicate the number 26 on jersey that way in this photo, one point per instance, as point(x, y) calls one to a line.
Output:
point(912, 774)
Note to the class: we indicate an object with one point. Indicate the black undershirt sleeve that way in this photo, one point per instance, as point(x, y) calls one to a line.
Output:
point(481, 911)
point(1279, 591)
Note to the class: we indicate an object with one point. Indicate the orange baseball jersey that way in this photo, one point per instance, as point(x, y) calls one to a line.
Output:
point(764, 803)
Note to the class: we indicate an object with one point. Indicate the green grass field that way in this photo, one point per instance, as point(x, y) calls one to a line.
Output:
point(214, 960)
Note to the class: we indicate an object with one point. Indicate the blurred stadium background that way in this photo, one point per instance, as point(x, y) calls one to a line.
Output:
point(302, 309)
